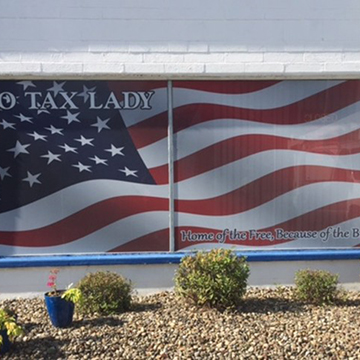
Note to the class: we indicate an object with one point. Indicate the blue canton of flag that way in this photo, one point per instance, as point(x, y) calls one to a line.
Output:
point(48, 143)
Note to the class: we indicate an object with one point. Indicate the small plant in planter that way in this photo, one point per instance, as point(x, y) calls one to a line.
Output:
point(60, 303)
point(9, 329)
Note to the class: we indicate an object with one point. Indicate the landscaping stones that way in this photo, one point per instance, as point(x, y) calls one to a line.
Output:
point(268, 325)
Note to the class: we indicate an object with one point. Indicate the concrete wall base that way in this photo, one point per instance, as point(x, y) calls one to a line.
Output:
point(153, 278)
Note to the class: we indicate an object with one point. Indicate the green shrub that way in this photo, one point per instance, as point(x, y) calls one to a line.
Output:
point(217, 278)
point(316, 286)
point(104, 293)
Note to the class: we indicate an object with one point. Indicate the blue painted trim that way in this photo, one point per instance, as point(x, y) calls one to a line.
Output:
point(169, 258)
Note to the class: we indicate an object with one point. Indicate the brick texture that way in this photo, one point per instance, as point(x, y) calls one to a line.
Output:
point(185, 39)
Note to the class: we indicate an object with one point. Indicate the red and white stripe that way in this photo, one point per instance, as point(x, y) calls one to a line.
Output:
point(248, 155)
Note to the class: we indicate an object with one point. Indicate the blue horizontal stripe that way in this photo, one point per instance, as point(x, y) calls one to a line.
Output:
point(169, 258)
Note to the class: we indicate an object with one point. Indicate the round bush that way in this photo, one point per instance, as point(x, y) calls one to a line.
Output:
point(316, 286)
point(217, 278)
point(104, 293)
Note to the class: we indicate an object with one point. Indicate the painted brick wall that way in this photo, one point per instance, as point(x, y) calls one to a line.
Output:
point(187, 38)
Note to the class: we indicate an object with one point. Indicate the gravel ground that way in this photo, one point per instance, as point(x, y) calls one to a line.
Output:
point(268, 325)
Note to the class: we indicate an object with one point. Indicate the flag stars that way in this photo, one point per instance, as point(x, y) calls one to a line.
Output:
point(85, 93)
point(7, 125)
point(68, 148)
point(71, 117)
point(129, 172)
point(26, 84)
point(84, 141)
point(32, 179)
point(54, 130)
point(56, 88)
point(41, 110)
point(19, 149)
point(24, 118)
point(101, 124)
point(82, 167)
point(51, 157)
point(4, 172)
point(115, 151)
point(98, 160)
point(37, 136)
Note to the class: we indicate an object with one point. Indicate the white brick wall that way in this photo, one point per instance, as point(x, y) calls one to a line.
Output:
point(186, 39)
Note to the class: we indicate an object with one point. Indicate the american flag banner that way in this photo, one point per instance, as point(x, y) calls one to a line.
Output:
point(266, 164)
point(72, 180)
point(257, 165)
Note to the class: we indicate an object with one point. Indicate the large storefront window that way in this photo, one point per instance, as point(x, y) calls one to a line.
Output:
point(263, 164)
point(75, 167)
point(85, 165)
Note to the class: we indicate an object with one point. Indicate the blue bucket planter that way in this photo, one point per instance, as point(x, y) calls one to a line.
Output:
point(6, 343)
point(60, 311)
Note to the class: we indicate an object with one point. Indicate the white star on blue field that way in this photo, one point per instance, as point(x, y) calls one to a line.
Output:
point(47, 145)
